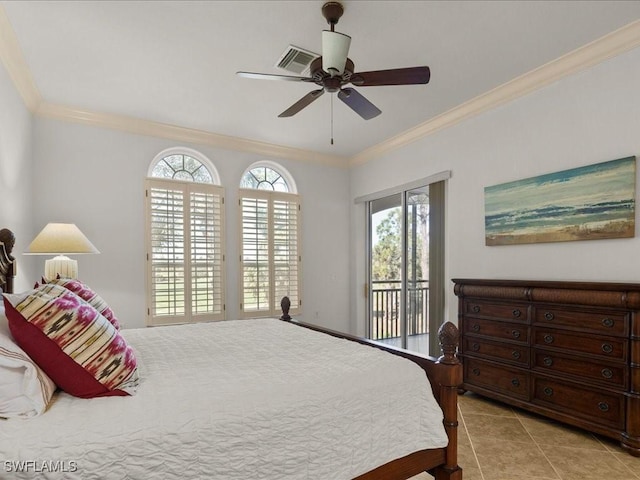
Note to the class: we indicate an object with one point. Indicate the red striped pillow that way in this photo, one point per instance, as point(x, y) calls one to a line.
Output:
point(80, 350)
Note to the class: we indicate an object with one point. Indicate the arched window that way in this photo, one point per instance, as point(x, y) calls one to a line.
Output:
point(185, 232)
point(183, 164)
point(270, 263)
point(264, 178)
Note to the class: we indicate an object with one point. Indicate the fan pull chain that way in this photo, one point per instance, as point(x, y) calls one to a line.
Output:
point(331, 119)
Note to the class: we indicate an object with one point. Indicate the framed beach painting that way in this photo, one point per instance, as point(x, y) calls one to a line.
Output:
point(586, 203)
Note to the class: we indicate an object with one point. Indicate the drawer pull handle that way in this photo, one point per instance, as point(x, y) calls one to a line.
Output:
point(476, 371)
point(515, 333)
point(549, 316)
point(475, 347)
point(607, 348)
point(548, 361)
point(607, 322)
point(475, 327)
point(548, 338)
point(603, 406)
point(515, 382)
point(515, 354)
point(476, 309)
point(516, 313)
point(607, 373)
point(548, 391)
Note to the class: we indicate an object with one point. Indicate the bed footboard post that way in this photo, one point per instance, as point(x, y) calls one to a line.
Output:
point(448, 336)
point(285, 305)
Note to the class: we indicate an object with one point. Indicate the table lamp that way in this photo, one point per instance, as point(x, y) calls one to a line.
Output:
point(60, 239)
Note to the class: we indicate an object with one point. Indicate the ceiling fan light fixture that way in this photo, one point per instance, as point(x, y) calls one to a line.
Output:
point(334, 70)
point(335, 48)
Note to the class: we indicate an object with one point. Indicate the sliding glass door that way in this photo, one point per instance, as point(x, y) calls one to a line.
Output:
point(417, 269)
point(404, 265)
point(385, 242)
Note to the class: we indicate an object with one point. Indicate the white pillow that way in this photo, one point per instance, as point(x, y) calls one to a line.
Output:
point(4, 323)
point(25, 390)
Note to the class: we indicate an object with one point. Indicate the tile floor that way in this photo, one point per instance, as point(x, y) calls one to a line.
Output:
point(498, 442)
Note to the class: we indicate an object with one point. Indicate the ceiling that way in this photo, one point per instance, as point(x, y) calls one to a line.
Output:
point(174, 62)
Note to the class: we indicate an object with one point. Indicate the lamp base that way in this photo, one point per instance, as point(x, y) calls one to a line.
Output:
point(60, 265)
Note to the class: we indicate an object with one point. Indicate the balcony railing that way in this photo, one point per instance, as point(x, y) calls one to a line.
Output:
point(385, 319)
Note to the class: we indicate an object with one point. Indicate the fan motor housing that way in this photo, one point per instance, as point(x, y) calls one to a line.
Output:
point(330, 84)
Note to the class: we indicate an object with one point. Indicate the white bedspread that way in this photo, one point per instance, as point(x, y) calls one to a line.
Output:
point(235, 400)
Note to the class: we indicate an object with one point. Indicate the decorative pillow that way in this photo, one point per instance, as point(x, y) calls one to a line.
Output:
point(25, 390)
point(72, 342)
point(88, 295)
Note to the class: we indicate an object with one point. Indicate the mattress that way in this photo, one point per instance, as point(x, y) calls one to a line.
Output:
point(259, 399)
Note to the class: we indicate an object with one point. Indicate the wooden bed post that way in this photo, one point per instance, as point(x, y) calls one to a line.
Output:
point(448, 337)
point(285, 304)
point(7, 262)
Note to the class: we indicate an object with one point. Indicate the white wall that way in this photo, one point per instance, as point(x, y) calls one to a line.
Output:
point(94, 177)
point(16, 175)
point(590, 117)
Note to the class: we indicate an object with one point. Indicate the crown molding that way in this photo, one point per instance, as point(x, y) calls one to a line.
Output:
point(14, 62)
point(611, 45)
point(183, 134)
point(604, 48)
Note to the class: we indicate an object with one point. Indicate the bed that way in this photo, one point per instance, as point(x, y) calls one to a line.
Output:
point(262, 399)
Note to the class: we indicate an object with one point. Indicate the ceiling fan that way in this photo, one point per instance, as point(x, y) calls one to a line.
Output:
point(333, 70)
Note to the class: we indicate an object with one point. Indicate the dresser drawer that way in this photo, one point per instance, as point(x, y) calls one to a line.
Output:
point(611, 374)
point(607, 347)
point(604, 408)
point(499, 330)
point(518, 354)
point(499, 378)
point(604, 323)
point(502, 311)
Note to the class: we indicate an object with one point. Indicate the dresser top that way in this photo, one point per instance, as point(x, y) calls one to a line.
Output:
point(602, 294)
point(557, 284)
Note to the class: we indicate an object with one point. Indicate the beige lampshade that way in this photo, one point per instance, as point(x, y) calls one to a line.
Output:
point(60, 239)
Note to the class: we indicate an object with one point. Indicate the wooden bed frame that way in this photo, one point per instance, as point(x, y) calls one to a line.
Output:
point(444, 373)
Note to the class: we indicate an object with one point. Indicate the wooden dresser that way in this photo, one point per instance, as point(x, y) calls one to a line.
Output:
point(566, 350)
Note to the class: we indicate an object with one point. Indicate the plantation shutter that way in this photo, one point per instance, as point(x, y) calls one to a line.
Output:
point(207, 258)
point(255, 255)
point(286, 257)
point(270, 258)
point(167, 263)
point(185, 269)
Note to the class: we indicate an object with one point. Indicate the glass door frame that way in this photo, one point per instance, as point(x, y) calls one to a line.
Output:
point(436, 255)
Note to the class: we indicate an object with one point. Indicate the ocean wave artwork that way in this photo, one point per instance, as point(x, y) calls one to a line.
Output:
point(586, 203)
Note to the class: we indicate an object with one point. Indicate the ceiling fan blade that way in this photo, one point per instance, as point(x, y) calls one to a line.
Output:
point(358, 103)
point(397, 76)
point(268, 76)
point(303, 102)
